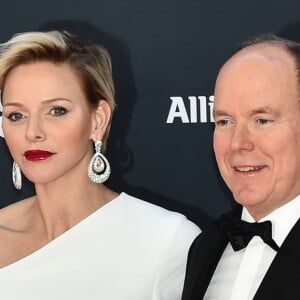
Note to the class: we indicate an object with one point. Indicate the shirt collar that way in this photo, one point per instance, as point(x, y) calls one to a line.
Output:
point(283, 219)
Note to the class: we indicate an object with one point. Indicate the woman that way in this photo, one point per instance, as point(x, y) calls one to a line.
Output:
point(76, 239)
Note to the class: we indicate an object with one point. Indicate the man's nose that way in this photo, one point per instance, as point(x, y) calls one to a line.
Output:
point(241, 139)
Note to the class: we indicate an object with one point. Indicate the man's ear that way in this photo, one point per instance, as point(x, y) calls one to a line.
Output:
point(101, 119)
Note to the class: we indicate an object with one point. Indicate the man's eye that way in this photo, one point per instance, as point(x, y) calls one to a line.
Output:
point(15, 116)
point(58, 111)
point(223, 122)
point(263, 121)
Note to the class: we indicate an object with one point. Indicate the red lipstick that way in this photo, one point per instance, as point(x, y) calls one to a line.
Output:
point(36, 155)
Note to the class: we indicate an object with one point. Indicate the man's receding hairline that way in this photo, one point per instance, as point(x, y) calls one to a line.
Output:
point(264, 46)
point(270, 44)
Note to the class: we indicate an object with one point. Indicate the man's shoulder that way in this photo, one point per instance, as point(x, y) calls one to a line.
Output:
point(216, 233)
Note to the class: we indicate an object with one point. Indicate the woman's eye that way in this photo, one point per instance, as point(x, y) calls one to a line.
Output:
point(15, 116)
point(58, 111)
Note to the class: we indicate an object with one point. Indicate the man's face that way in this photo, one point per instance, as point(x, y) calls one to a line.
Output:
point(257, 133)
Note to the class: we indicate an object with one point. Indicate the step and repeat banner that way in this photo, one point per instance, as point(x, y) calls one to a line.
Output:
point(166, 55)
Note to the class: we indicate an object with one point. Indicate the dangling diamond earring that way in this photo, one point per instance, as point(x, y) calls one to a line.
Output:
point(16, 176)
point(99, 167)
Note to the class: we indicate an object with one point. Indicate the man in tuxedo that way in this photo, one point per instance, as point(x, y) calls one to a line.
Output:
point(254, 251)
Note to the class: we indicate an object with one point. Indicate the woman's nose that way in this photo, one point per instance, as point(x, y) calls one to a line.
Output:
point(35, 131)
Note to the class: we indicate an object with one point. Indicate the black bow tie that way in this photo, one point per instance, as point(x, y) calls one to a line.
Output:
point(241, 233)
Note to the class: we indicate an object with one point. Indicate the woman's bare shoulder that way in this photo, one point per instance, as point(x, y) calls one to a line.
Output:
point(14, 223)
point(12, 216)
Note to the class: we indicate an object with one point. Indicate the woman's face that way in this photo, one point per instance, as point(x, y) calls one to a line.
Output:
point(47, 122)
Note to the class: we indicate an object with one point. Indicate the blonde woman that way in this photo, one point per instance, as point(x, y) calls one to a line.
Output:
point(76, 239)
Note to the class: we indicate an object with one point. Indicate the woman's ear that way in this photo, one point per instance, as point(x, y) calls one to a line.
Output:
point(101, 119)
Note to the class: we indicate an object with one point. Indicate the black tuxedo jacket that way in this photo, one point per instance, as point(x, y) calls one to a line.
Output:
point(282, 280)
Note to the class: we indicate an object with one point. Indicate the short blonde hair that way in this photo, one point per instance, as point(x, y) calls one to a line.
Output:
point(91, 63)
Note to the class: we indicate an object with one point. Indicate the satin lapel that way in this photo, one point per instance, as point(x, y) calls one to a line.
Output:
point(203, 259)
point(282, 281)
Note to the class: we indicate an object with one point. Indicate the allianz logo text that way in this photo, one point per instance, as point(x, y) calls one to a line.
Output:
point(193, 109)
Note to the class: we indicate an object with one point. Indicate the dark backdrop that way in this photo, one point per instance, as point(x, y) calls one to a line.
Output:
point(166, 55)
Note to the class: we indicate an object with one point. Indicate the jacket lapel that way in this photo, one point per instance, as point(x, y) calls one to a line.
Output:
point(282, 279)
point(204, 257)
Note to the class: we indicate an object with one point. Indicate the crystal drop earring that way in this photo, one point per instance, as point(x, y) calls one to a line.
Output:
point(16, 176)
point(99, 167)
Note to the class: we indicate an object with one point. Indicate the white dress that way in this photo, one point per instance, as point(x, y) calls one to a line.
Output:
point(128, 249)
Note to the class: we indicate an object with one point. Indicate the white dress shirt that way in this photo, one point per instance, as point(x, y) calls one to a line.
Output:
point(239, 273)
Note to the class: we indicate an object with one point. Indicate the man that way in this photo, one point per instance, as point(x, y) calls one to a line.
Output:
point(257, 148)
